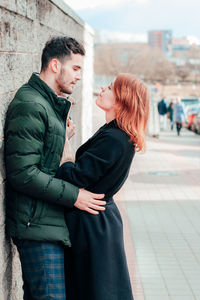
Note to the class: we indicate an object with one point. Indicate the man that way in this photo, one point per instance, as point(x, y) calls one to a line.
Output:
point(162, 109)
point(179, 115)
point(34, 139)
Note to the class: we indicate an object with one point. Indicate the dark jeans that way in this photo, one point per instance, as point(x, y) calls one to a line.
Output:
point(42, 269)
point(178, 127)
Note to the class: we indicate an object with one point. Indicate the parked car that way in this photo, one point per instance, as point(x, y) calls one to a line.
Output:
point(196, 124)
point(191, 111)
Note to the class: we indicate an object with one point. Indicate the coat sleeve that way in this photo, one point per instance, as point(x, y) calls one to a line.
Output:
point(24, 142)
point(94, 163)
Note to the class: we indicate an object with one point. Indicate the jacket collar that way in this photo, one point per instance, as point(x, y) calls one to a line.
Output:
point(60, 104)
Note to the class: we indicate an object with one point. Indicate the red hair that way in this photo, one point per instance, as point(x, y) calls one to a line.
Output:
point(132, 108)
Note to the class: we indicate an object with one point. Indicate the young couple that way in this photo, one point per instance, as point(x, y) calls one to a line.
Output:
point(60, 213)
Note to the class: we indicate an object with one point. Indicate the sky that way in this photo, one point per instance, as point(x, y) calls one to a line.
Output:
point(134, 18)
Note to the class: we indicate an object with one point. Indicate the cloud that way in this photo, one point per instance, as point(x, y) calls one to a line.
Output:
point(142, 1)
point(193, 40)
point(85, 4)
point(121, 37)
point(139, 16)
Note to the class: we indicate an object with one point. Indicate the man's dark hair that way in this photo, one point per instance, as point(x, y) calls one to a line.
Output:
point(60, 47)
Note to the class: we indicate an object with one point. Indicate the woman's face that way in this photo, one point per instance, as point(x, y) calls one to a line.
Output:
point(106, 99)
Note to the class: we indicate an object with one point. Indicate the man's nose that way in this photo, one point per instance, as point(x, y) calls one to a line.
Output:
point(78, 76)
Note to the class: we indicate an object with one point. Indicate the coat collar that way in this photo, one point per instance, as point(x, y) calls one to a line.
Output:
point(112, 123)
point(60, 104)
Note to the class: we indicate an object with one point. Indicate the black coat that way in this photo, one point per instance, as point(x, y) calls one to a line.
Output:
point(96, 263)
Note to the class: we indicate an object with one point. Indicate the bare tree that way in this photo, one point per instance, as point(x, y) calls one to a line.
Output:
point(145, 62)
point(153, 66)
point(164, 69)
point(107, 61)
point(195, 62)
point(182, 72)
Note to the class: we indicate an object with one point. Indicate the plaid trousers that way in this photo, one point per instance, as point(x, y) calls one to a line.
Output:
point(42, 269)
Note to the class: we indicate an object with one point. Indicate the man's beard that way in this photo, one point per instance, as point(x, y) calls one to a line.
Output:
point(63, 89)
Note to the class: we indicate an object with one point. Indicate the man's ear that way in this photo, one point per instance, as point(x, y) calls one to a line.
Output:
point(54, 65)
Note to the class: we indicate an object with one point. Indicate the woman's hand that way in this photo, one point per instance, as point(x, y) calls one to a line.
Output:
point(70, 129)
point(68, 153)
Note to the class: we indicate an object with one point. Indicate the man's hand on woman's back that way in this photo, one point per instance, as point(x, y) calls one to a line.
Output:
point(89, 202)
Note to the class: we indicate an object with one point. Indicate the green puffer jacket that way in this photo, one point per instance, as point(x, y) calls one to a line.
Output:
point(34, 140)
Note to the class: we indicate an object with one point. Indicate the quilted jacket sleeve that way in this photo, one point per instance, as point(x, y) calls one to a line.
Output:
point(24, 142)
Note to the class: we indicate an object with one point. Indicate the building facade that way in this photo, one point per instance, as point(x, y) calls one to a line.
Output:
point(160, 39)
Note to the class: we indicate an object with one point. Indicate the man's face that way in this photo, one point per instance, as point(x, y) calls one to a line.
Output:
point(69, 73)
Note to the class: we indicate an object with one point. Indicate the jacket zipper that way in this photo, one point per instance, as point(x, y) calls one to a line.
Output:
point(33, 209)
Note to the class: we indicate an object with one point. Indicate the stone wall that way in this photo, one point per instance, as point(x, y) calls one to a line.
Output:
point(25, 25)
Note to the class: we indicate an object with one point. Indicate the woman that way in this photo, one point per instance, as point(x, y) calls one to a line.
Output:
point(98, 268)
point(179, 115)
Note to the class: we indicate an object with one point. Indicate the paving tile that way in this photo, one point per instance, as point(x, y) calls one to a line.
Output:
point(164, 218)
point(158, 291)
point(153, 297)
point(181, 297)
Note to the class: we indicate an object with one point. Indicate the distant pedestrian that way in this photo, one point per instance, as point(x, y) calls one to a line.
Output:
point(179, 115)
point(162, 109)
point(170, 115)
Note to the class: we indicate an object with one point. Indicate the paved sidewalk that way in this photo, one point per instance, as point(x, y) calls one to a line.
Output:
point(161, 212)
